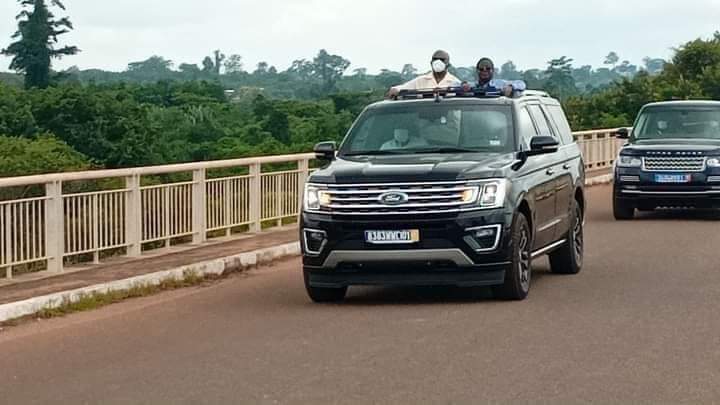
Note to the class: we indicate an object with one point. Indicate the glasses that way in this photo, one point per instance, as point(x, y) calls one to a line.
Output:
point(485, 69)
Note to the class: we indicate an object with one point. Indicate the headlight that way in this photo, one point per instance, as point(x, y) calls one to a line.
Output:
point(713, 162)
point(491, 194)
point(316, 197)
point(629, 161)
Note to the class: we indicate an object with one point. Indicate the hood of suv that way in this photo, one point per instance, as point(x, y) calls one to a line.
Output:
point(414, 168)
point(673, 146)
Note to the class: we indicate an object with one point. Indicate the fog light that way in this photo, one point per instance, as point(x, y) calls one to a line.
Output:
point(484, 238)
point(315, 241)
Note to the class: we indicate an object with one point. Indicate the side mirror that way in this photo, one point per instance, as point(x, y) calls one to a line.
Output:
point(325, 150)
point(622, 133)
point(540, 145)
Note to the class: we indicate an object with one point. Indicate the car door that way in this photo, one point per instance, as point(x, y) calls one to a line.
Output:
point(557, 178)
point(537, 176)
point(573, 169)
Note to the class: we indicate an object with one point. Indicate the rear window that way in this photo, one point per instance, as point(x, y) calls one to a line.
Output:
point(482, 128)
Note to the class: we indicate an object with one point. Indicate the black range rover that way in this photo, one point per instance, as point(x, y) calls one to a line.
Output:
point(672, 159)
point(463, 191)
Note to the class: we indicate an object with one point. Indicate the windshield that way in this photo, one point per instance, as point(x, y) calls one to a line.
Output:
point(673, 123)
point(432, 128)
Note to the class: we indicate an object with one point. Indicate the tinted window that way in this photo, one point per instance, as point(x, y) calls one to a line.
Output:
point(540, 120)
point(417, 127)
point(558, 117)
point(679, 122)
point(526, 128)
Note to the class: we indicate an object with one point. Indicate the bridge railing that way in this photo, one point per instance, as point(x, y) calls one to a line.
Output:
point(50, 221)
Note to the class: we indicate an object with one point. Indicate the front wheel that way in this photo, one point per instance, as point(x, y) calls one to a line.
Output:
point(569, 258)
point(517, 277)
point(323, 294)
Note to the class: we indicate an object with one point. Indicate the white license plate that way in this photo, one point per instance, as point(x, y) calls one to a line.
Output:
point(392, 237)
point(673, 178)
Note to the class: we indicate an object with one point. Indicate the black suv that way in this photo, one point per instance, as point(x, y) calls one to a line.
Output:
point(672, 158)
point(455, 190)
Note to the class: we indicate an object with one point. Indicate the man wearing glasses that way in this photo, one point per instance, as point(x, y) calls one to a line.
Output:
point(487, 83)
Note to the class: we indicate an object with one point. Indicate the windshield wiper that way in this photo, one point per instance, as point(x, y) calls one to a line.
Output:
point(445, 149)
point(376, 152)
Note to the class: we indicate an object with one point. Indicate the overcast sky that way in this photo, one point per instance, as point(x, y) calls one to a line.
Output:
point(375, 33)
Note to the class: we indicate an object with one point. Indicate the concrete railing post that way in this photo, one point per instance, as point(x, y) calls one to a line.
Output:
point(303, 175)
point(255, 197)
point(199, 206)
point(54, 226)
point(133, 216)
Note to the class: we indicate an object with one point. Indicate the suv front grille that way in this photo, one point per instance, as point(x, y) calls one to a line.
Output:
point(426, 198)
point(674, 164)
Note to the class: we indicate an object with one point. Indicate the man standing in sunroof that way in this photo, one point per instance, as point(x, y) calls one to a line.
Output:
point(439, 77)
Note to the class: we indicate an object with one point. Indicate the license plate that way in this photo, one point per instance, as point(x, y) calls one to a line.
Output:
point(392, 237)
point(673, 178)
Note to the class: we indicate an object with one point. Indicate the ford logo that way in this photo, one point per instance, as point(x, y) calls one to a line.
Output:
point(394, 198)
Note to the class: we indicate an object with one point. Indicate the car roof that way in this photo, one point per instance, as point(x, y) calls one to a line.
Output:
point(684, 103)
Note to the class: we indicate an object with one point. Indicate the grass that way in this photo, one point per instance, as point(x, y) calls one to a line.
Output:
point(89, 302)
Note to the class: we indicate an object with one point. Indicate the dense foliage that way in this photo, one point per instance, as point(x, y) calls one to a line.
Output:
point(129, 125)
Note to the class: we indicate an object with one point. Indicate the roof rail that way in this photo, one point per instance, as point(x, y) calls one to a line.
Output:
point(449, 92)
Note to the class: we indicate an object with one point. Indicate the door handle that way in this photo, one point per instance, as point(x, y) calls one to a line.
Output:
point(550, 171)
point(566, 166)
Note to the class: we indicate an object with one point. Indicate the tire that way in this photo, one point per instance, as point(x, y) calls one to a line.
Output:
point(569, 258)
point(622, 210)
point(517, 278)
point(322, 294)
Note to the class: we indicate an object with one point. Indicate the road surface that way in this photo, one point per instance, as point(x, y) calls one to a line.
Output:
point(641, 322)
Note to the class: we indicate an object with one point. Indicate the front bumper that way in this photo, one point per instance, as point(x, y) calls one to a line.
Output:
point(443, 256)
point(639, 188)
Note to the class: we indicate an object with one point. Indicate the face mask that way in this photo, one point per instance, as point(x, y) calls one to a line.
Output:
point(438, 66)
point(402, 136)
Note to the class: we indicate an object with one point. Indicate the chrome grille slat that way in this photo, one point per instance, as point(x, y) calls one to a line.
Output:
point(403, 189)
point(429, 198)
point(674, 164)
point(412, 198)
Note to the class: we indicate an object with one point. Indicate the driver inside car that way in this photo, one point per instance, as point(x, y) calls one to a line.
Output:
point(403, 139)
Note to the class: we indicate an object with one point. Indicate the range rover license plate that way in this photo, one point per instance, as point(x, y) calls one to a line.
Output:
point(673, 178)
point(392, 237)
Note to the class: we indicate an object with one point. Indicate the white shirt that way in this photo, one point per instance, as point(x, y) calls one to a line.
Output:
point(412, 143)
point(428, 82)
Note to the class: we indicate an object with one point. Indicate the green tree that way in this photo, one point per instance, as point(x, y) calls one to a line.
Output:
point(654, 65)
point(509, 71)
point(208, 65)
point(262, 68)
point(233, 64)
point(151, 69)
point(329, 69)
point(219, 59)
point(190, 70)
point(36, 39)
point(612, 59)
point(44, 154)
point(560, 81)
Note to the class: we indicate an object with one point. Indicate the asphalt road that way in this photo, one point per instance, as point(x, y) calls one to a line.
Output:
point(640, 323)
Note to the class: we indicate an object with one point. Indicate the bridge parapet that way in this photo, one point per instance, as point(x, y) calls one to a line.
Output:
point(50, 221)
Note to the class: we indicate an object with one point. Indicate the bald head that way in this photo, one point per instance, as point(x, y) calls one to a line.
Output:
point(442, 55)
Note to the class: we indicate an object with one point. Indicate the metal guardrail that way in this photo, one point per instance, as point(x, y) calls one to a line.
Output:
point(123, 215)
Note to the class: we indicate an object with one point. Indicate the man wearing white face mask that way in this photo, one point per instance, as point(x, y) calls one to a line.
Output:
point(439, 77)
point(402, 139)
